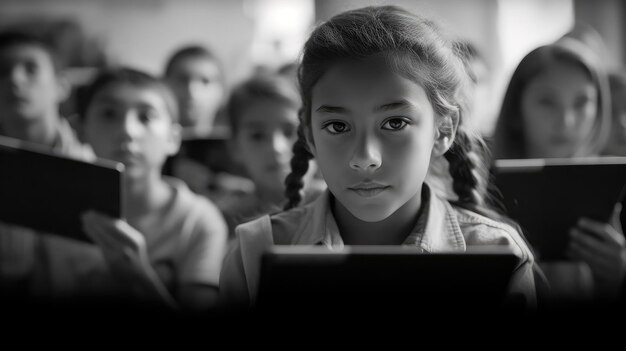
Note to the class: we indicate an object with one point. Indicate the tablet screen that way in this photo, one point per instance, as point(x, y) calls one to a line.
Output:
point(47, 192)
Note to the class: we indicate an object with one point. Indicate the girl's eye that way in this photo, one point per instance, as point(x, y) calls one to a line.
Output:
point(336, 127)
point(395, 124)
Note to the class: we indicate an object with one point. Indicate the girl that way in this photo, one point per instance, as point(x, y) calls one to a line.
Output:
point(558, 105)
point(263, 115)
point(383, 99)
point(170, 247)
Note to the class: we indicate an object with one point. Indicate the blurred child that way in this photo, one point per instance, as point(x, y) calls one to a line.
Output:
point(384, 97)
point(170, 246)
point(195, 76)
point(616, 145)
point(558, 105)
point(31, 89)
point(263, 115)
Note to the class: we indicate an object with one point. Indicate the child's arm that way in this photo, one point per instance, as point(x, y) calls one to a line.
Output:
point(603, 247)
point(124, 248)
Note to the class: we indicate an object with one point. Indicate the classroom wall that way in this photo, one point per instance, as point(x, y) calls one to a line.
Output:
point(142, 33)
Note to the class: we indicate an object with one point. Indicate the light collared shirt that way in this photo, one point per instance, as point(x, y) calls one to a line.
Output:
point(441, 227)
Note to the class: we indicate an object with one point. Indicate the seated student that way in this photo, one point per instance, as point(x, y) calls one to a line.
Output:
point(557, 104)
point(383, 100)
point(616, 145)
point(31, 89)
point(263, 115)
point(195, 76)
point(170, 246)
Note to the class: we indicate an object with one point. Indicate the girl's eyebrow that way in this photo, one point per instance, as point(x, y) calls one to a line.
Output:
point(332, 109)
point(403, 103)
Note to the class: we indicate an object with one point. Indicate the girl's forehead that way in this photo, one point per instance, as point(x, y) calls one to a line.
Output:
point(365, 80)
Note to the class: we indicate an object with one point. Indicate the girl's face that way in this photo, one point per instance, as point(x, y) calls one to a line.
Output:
point(131, 125)
point(373, 135)
point(617, 141)
point(559, 109)
point(196, 84)
point(267, 131)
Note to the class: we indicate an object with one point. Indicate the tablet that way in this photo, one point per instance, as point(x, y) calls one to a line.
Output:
point(547, 196)
point(384, 276)
point(48, 192)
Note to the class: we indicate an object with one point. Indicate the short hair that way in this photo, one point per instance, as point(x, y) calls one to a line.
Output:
point(193, 51)
point(130, 76)
point(260, 87)
point(11, 39)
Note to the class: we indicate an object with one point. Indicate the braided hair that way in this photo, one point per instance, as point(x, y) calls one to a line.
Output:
point(294, 183)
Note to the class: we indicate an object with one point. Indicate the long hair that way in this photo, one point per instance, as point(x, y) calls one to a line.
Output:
point(415, 48)
point(509, 138)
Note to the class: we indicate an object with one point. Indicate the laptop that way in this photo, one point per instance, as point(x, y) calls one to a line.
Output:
point(547, 196)
point(47, 192)
point(383, 277)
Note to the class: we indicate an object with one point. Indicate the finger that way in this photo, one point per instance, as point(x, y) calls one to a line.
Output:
point(99, 235)
point(116, 230)
point(592, 243)
point(595, 262)
point(615, 218)
point(604, 231)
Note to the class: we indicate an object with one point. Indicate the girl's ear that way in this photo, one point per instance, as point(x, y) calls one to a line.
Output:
point(444, 135)
point(174, 140)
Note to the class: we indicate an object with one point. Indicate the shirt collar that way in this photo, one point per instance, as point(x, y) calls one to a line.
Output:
point(436, 230)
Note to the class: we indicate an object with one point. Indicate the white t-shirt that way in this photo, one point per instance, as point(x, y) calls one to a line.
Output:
point(186, 246)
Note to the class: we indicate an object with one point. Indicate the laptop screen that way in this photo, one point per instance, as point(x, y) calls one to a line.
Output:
point(383, 276)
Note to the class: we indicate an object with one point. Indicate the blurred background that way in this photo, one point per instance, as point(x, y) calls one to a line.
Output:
point(249, 35)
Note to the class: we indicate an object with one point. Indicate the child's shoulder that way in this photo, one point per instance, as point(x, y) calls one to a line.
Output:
point(478, 229)
point(286, 227)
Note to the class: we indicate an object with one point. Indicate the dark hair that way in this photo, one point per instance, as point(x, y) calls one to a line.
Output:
point(509, 133)
point(193, 51)
point(262, 86)
point(13, 39)
point(415, 48)
point(130, 76)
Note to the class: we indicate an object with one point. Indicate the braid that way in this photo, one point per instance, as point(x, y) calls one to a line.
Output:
point(299, 167)
point(464, 160)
